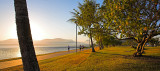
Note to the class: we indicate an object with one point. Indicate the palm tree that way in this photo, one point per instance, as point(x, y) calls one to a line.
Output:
point(75, 19)
point(85, 18)
point(29, 59)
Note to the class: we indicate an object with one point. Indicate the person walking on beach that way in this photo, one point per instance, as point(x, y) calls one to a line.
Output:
point(80, 48)
point(68, 47)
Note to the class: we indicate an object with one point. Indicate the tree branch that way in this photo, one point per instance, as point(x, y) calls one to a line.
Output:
point(129, 39)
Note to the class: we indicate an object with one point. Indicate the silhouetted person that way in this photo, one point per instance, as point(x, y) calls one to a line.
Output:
point(68, 47)
point(80, 47)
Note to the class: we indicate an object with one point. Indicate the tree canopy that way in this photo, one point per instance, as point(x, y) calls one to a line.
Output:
point(132, 19)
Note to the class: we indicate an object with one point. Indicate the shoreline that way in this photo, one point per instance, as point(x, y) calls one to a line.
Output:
point(3, 60)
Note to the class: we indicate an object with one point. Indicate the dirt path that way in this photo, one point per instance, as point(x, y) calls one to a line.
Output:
point(17, 62)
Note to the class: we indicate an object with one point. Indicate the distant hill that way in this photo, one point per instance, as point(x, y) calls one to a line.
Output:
point(52, 41)
point(9, 41)
point(57, 42)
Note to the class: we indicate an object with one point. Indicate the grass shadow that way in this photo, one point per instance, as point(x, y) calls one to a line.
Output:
point(144, 57)
point(115, 54)
point(100, 53)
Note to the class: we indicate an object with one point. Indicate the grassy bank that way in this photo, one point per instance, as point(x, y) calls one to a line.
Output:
point(108, 59)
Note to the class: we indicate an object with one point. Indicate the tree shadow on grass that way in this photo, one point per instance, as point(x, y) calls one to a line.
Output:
point(145, 57)
point(115, 54)
point(86, 53)
point(150, 57)
point(144, 62)
point(100, 53)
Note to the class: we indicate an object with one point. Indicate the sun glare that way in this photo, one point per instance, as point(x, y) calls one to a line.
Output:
point(18, 53)
point(37, 32)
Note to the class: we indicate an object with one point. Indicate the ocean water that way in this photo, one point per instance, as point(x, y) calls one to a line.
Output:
point(7, 52)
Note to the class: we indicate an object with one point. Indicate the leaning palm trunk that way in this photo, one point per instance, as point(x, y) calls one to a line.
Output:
point(29, 59)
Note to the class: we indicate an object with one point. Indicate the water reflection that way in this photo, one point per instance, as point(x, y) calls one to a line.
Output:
point(18, 53)
point(6, 53)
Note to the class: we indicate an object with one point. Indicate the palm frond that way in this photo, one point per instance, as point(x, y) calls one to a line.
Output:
point(72, 20)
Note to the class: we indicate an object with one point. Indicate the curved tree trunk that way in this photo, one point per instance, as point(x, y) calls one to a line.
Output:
point(138, 50)
point(140, 47)
point(99, 45)
point(29, 59)
point(102, 44)
point(92, 42)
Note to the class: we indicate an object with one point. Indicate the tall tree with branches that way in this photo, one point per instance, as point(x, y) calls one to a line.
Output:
point(134, 19)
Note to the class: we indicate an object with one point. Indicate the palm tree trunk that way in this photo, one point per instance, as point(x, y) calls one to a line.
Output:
point(29, 59)
point(76, 37)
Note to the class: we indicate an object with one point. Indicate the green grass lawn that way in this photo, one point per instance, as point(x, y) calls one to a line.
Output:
point(108, 59)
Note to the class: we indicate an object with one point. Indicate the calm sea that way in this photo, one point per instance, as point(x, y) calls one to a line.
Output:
point(7, 52)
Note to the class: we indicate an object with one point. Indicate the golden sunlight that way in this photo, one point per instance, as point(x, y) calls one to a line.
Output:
point(18, 53)
point(37, 32)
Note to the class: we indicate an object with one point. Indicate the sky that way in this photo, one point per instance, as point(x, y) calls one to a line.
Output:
point(48, 19)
